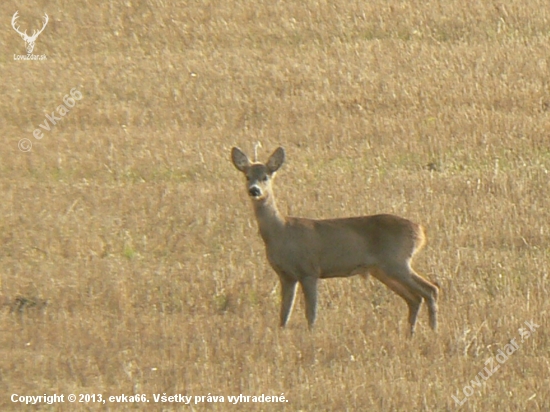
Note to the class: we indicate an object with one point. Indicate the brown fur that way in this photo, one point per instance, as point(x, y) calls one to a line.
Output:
point(304, 250)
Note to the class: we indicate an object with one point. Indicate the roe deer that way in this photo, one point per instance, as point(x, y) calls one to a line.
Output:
point(305, 250)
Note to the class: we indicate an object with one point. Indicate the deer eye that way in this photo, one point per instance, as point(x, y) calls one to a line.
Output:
point(264, 178)
point(248, 178)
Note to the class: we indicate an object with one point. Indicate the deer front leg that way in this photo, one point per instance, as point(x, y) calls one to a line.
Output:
point(288, 289)
point(309, 287)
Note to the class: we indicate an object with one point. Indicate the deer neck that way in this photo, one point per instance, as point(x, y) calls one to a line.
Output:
point(270, 220)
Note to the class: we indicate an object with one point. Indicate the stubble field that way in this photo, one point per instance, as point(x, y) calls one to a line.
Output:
point(130, 261)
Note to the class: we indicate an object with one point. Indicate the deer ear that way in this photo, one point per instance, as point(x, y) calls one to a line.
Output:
point(240, 160)
point(276, 160)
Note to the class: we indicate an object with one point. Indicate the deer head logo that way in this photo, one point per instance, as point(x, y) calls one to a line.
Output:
point(29, 40)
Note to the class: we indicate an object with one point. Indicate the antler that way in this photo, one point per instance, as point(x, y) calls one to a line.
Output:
point(35, 33)
point(15, 17)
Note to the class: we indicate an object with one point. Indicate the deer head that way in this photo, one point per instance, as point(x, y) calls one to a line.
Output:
point(29, 40)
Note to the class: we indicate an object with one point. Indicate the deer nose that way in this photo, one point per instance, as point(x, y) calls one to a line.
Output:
point(254, 191)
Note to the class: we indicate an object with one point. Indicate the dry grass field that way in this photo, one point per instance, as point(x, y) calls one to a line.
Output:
point(130, 260)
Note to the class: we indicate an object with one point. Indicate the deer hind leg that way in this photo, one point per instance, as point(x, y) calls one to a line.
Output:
point(405, 275)
point(288, 292)
point(413, 299)
point(309, 288)
point(433, 292)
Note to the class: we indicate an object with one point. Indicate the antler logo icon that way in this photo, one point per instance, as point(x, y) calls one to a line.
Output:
point(29, 40)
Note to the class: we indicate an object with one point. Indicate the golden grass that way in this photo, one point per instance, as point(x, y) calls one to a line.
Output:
point(130, 260)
